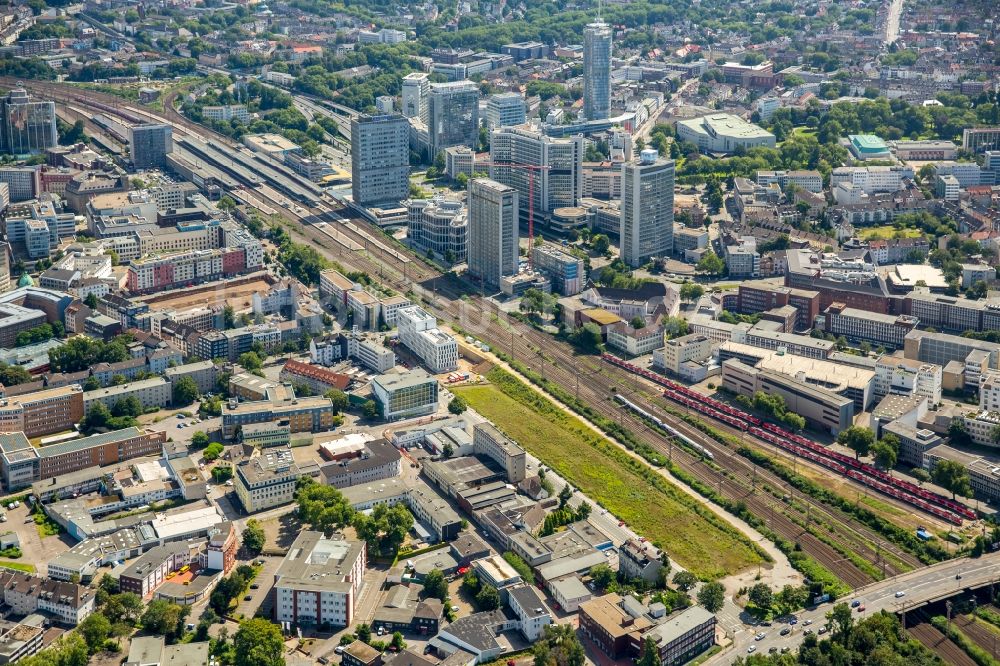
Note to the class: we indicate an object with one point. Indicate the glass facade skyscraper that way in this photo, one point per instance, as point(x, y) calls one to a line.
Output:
point(597, 70)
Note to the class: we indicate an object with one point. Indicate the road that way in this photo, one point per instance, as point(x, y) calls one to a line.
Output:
point(892, 21)
point(927, 584)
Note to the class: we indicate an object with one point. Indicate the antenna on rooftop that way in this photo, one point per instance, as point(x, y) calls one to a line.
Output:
point(599, 7)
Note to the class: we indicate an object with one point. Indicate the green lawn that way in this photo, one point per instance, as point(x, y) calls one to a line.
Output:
point(888, 231)
point(691, 534)
point(18, 566)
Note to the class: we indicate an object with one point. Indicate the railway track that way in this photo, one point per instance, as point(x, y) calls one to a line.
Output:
point(983, 636)
point(938, 643)
point(565, 369)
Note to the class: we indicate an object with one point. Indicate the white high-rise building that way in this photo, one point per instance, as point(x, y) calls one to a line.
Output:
point(416, 93)
point(505, 110)
point(558, 178)
point(597, 70)
point(493, 230)
point(380, 159)
point(647, 228)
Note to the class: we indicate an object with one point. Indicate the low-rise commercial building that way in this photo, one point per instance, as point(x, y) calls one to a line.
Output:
point(266, 480)
point(873, 327)
point(490, 442)
point(309, 414)
point(43, 412)
point(152, 392)
point(723, 133)
point(819, 407)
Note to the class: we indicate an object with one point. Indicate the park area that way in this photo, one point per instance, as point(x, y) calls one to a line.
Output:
point(887, 232)
point(692, 535)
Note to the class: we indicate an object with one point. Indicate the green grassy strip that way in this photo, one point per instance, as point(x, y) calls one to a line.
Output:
point(802, 562)
point(928, 553)
point(988, 615)
point(515, 389)
point(969, 646)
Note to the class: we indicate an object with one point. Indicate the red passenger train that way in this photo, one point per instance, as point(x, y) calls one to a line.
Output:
point(926, 500)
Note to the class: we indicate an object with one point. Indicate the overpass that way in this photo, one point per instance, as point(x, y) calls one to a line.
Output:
point(919, 588)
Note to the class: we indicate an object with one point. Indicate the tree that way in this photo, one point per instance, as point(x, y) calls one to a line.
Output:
point(164, 618)
point(363, 632)
point(228, 315)
point(921, 475)
point(886, 451)
point(435, 585)
point(558, 646)
point(91, 384)
point(601, 243)
point(253, 537)
point(125, 607)
point(691, 291)
point(212, 451)
point(339, 399)
point(760, 595)
point(840, 620)
point(95, 630)
point(323, 507)
point(185, 391)
point(250, 361)
point(602, 576)
point(685, 580)
point(712, 596)
point(91, 301)
point(370, 410)
point(711, 263)
point(259, 643)
point(565, 495)
point(953, 476)
point(857, 438)
point(487, 598)
point(385, 528)
point(587, 338)
point(199, 440)
point(457, 405)
point(397, 641)
point(650, 653)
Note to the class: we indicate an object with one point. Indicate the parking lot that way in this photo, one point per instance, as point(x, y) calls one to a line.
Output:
point(260, 598)
point(37, 551)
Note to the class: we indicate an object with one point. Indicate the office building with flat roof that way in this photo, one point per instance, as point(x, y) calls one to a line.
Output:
point(380, 159)
point(266, 480)
point(723, 133)
point(647, 223)
point(566, 272)
point(453, 115)
point(505, 110)
point(820, 407)
point(547, 168)
point(419, 332)
point(440, 225)
point(149, 145)
point(878, 329)
point(493, 231)
point(416, 95)
point(319, 581)
point(26, 126)
point(400, 396)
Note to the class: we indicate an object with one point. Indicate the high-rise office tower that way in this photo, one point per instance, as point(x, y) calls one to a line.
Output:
point(558, 172)
point(416, 94)
point(493, 233)
point(454, 116)
point(28, 127)
point(380, 159)
point(150, 145)
point(597, 70)
point(647, 228)
point(505, 110)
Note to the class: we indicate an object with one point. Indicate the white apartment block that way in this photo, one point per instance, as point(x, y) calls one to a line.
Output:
point(419, 332)
point(676, 352)
point(903, 376)
point(225, 113)
point(872, 179)
point(989, 391)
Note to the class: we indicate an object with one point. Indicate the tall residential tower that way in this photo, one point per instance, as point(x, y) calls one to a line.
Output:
point(380, 159)
point(647, 208)
point(493, 233)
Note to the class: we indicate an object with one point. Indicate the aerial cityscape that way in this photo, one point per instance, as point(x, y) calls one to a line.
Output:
point(531, 333)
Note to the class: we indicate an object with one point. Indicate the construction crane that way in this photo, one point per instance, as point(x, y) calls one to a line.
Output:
point(531, 169)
